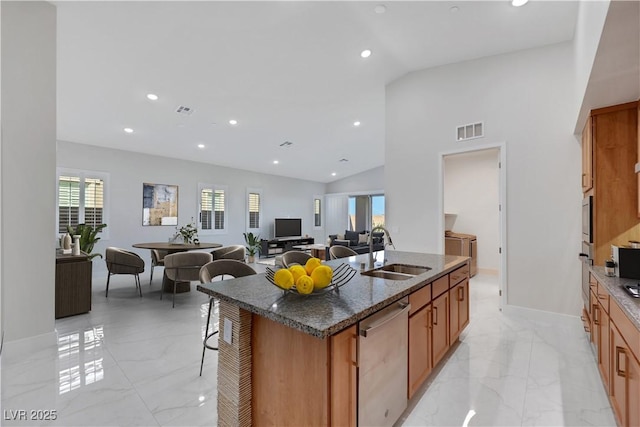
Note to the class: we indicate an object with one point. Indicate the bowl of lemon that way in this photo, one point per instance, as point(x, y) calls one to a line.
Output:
point(313, 278)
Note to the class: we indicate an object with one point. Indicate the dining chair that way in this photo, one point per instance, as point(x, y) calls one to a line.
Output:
point(221, 267)
point(120, 261)
point(295, 257)
point(184, 267)
point(157, 260)
point(338, 251)
point(237, 252)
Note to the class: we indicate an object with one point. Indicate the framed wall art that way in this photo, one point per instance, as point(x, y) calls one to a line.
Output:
point(159, 204)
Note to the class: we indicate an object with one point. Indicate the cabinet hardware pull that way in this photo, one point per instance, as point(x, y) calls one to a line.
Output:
point(595, 317)
point(435, 311)
point(354, 350)
point(619, 371)
point(461, 293)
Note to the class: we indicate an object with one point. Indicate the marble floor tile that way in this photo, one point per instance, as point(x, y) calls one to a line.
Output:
point(135, 361)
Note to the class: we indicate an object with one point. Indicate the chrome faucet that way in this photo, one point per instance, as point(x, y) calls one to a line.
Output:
point(385, 231)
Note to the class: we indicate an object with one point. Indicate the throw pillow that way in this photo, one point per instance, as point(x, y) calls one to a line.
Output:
point(340, 237)
point(363, 238)
point(352, 236)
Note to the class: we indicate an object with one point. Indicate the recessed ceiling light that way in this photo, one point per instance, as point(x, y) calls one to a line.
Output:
point(518, 3)
point(380, 8)
point(365, 53)
point(275, 162)
point(200, 145)
point(356, 123)
point(233, 122)
point(128, 130)
point(454, 9)
point(333, 174)
point(152, 96)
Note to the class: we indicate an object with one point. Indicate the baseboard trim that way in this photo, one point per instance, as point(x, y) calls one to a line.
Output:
point(29, 345)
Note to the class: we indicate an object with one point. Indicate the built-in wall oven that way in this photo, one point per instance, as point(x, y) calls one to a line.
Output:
point(587, 246)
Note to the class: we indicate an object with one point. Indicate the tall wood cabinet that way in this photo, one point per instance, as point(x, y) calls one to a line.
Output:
point(610, 150)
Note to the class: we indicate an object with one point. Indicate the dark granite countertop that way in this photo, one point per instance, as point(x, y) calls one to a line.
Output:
point(614, 285)
point(325, 314)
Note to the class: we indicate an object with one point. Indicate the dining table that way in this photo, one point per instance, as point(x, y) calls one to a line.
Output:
point(172, 248)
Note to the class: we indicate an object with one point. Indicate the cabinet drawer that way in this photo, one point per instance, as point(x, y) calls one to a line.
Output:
point(603, 297)
point(592, 282)
point(627, 329)
point(458, 275)
point(439, 286)
point(419, 299)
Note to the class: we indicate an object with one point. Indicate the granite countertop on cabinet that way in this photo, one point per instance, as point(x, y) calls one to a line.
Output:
point(614, 285)
point(325, 314)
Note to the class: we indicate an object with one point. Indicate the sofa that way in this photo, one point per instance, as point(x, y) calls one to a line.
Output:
point(358, 240)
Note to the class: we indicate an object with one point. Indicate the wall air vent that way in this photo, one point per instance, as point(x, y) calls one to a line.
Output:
point(185, 111)
point(470, 131)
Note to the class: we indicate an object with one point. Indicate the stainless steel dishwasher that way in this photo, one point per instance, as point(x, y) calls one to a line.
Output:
point(382, 365)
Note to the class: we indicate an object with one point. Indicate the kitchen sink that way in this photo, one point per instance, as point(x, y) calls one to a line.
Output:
point(396, 271)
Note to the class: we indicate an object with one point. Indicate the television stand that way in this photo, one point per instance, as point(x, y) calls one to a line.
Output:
point(269, 248)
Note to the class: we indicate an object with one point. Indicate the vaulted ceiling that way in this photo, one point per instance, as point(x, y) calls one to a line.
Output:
point(286, 71)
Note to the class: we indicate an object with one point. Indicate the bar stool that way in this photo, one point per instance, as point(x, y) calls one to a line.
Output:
point(221, 267)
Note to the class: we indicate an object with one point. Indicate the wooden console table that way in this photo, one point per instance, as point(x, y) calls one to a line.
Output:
point(279, 246)
point(73, 284)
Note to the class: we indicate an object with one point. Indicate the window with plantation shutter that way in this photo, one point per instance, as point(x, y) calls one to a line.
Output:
point(213, 209)
point(254, 206)
point(81, 199)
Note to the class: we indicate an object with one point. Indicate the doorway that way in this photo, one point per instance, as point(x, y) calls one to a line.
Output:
point(473, 206)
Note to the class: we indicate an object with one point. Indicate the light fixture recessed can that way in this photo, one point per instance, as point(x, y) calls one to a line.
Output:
point(380, 8)
point(128, 130)
point(152, 96)
point(365, 53)
point(233, 122)
point(454, 9)
point(333, 174)
point(356, 123)
point(275, 162)
point(200, 145)
point(518, 3)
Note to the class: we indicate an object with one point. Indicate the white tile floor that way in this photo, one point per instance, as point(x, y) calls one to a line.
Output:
point(135, 361)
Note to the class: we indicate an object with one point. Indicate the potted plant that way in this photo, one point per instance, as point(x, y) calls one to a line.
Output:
point(253, 245)
point(87, 237)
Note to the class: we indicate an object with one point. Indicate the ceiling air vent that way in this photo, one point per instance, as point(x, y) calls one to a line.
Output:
point(344, 160)
point(286, 144)
point(186, 111)
point(470, 131)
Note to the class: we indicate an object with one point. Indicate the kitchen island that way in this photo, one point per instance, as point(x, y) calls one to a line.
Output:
point(292, 359)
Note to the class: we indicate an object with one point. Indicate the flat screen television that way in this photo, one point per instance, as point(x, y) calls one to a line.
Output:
point(288, 227)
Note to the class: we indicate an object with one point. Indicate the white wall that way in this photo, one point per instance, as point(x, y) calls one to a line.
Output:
point(370, 180)
point(28, 167)
point(526, 99)
point(281, 197)
point(589, 26)
point(471, 190)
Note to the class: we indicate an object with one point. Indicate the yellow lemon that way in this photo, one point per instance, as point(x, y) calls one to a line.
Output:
point(283, 278)
point(321, 276)
point(297, 271)
point(304, 285)
point(311, 264)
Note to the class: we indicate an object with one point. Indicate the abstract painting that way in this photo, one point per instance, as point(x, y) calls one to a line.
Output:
point(159, 204)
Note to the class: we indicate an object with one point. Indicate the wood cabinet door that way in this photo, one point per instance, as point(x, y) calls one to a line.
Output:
point(344, 377)
point(633, 390)
point(604, 347)
point(459, 309)
point(419, 349)
point(587, 157)
point(440, 327)
point(617, 391)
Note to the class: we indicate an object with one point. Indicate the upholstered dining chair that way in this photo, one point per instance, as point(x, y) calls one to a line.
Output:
point(229, 252)
point(294, 257)
point(120, 261)
point(221, 267)
point(157, 260)
point(184, 267)
point(339, 251)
